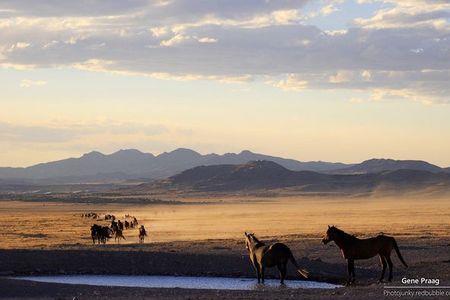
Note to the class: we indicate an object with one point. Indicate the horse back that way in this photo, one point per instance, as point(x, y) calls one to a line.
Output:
point(275, 254)
point(369, 247)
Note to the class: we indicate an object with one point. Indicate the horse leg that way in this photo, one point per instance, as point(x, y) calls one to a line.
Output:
point(383, 262)
point(349, 271)
point(389, 261)
point(262, 274)
point(256, 267)
point(283, 272)
point(353, 271)
point(280, 270)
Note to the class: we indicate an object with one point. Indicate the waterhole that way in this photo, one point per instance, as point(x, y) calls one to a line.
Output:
point(185, 282)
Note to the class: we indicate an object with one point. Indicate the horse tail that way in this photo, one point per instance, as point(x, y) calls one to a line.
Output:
point(300, 271)
point(398, 253)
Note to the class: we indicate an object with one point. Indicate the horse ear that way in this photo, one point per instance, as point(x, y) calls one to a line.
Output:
point(245, 233)
point(329, 226)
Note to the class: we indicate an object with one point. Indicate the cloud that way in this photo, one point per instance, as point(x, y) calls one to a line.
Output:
point(51, 8)
point(425, 86)
point(207, 40)
point(177, 39)
point(402, 46)
point(407, 14)
point(328, 9)
point(68, 132)
point(26, 83)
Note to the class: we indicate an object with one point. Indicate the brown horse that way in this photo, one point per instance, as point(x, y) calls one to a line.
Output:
point(263, 256)
point(142, 234)
point(118, 236)
point(353, 248)
point(100, 233)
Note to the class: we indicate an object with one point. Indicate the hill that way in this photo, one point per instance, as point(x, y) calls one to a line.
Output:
point(133, 164)
point(258, 175)
point(380, 165)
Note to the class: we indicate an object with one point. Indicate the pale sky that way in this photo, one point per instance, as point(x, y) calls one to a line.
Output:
point(310, 80)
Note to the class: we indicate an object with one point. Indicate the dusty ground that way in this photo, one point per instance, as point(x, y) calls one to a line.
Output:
point(206, 240)
point(43, 225)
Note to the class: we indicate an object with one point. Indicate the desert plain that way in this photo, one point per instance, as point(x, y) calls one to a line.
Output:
point(203, 236)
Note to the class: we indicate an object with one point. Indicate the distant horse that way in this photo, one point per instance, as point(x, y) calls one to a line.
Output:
point(126, 224)
point(100, 234)
point(120, 225)
point(353, 248)
point(105, 234)
point(95, 231)
point(142, 234)
point(114, 226)
point(135, 222)
point(119, 236)
point(92, 215)
point(263, 256)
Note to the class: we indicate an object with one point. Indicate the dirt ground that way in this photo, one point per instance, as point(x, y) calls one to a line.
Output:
point(45, 224)
point(52, 238)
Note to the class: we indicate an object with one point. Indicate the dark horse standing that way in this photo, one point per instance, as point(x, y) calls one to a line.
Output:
point(353, 248)
point(263, 256)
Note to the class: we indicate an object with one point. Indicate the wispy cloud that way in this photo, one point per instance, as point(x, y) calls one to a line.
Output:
point(68, 132)
point(217, 39)
point(26, 83)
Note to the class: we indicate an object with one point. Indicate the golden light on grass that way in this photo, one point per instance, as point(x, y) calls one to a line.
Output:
point(34, 225)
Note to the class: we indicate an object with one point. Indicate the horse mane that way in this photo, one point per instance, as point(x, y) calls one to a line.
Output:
point(257, 242)
point(344, 235)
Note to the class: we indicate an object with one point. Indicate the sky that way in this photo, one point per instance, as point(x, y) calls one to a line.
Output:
point(336, 80)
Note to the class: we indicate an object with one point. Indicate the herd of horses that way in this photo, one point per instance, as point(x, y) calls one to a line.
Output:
point(264, 256)
point(278, 255)
point(101, 234)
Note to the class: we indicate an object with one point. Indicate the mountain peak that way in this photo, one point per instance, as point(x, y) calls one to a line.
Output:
point(93, 154)
point(376, 165)
point(129, 152)
point(246, 152)
point(183, 150)
point(263, 164)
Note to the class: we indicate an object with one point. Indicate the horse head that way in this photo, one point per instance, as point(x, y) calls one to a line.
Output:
point(249, 240)
point(329, 235)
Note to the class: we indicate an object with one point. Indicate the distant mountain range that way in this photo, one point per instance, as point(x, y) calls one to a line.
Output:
point(133, 164)
point(380, 165)
point(259, 175)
